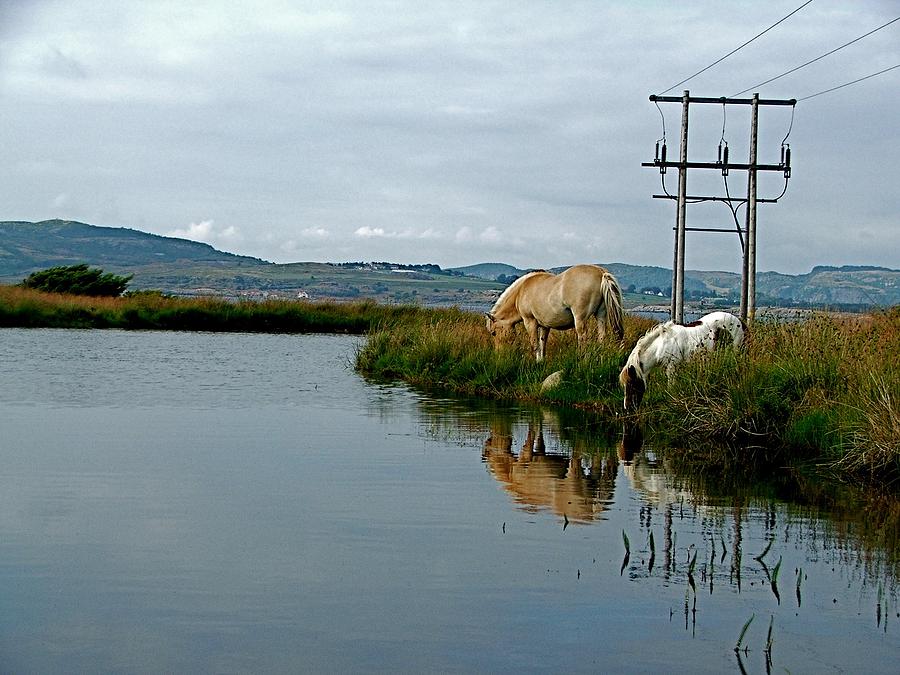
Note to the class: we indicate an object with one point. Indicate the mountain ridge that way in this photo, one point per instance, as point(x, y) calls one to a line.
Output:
point(179, 265)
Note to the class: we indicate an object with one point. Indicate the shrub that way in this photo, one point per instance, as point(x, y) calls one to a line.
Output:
point(77, 280)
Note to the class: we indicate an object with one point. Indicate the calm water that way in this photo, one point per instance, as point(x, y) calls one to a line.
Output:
point(183, 502)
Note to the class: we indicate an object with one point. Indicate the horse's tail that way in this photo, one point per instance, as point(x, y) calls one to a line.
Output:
point(612, 301)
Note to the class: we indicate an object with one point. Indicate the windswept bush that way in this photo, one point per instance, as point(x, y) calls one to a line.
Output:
point(78, 280)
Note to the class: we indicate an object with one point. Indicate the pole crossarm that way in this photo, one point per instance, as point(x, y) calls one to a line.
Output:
point(726, 200)
point(721, 100)
point(718, 165)
point(727, 230)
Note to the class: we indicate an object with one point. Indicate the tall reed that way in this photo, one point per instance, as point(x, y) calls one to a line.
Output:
point(825, 389)
point(29, 308)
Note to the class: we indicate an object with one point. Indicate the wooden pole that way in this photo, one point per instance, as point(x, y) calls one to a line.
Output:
point(678, 269)
point(748, 278)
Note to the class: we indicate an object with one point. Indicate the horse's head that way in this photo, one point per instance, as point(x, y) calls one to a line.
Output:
point(632, 441)
point(498, 328)
point(632, 381)
point(489, 324)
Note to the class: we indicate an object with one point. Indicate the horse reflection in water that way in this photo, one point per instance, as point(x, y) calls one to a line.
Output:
point(648, 478)
point(577, 485)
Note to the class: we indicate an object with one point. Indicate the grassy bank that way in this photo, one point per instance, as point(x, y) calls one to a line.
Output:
point(20, 307)
point(824, 389)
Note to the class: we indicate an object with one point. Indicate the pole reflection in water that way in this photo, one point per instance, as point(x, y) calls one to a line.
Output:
point(728, 543)
point(248, 503)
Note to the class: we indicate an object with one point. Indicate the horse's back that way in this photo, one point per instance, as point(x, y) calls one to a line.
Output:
point(584, 274)
point(582, 285)
point(728, 321)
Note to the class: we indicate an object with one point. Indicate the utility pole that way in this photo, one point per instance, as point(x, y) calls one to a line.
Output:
point(680, 218)
point(748, 298)
point(748, 266)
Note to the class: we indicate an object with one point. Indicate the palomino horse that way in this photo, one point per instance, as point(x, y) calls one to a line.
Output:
point(542, 301)
point(668, 343)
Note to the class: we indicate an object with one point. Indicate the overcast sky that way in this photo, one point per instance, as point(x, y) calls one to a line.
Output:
point(450, 133)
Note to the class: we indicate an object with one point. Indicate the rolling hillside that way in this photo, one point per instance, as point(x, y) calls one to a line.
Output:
point(28, 247)
point(857, 286)
point(182, 266)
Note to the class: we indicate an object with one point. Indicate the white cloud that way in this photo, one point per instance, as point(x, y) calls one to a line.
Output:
point(491, 234)
point(201, 230)
point(315, 232)
point(207, 232)
point(463, 235)
point(366, 231)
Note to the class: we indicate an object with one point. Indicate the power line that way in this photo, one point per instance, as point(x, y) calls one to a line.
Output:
point(847, 84)
point(677, 84)
point(818, 58)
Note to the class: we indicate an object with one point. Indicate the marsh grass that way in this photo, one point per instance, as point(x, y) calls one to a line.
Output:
point(825, 389)
point(451, 349)
point(23, 307)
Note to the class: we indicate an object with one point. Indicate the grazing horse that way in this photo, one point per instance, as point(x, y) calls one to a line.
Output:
point(669, 343)
point(542, 300)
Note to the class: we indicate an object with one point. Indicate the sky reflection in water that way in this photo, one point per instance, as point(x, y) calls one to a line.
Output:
point(246, 503)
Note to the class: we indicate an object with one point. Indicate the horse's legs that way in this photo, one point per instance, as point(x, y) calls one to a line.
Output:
point(601, 323)
point(543, 334)
point(534, 335)
point(581, 328)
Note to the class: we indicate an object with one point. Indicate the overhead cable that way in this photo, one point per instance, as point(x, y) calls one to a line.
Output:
point(818, 58)
point(847, 84)
point(677, 84)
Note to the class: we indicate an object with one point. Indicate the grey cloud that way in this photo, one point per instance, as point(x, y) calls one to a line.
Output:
point(282, 120)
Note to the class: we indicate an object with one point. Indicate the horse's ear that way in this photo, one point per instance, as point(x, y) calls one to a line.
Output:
point(490, 316)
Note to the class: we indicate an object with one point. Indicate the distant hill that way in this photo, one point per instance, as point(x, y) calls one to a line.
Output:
point(182, 266)
point(860, 286)
point(489, 270)
point(28, 247)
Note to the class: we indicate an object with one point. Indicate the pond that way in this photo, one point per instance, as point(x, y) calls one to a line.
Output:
point(199, 502)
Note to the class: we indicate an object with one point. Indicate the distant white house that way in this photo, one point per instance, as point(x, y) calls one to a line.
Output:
point(302, 295)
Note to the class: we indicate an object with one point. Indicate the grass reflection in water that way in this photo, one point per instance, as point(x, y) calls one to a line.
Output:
point(722, 545)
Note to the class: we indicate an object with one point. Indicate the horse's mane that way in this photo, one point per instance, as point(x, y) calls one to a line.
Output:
point(513, 288)
point(634, 358)
point(651, 335)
